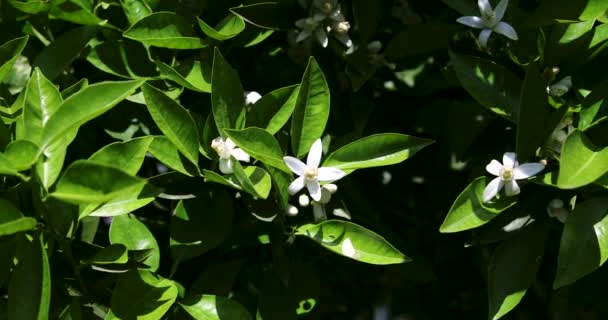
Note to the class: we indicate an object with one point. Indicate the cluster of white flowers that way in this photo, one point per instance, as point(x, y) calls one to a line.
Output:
point(507, 173)
point(490, 21)
point(325, 19)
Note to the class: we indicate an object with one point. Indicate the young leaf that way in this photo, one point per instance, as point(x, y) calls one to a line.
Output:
point(376, 150)
point(210, 307)
point(353, 241)
point(227, 99)
point(581, 162)
point(129, 231)
point(165, 30)
point(468, 211)
point(311, 111)
point(41, 102)
point(142, 295)
point(259, 144)
point(9, 52)
point(228, 28)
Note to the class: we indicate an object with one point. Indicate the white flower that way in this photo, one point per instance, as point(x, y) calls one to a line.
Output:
point(507, 173)
point(556, 209)
point(226, 149)
point(252, 97)
point(560, 88)
point(310, 174)
point(312, 25)
point(489, 21)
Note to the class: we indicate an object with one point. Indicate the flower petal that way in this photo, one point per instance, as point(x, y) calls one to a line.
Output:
point(509, 159)
point(494, 167)
point(303, 35)
point(500, 9)
point(240, 154)
point(296, 185)
point(230, 144)
point(484, 6)
point(527, 170)
point(344, 38)
point(471, 21)
point(295, 165)
point(226, 166)
point(511, 188)
point(330, 174)
point(321, 37)
point(506, 30)
point(314, 188)
point(314, 155)
point(492, 189)
point(484, 35)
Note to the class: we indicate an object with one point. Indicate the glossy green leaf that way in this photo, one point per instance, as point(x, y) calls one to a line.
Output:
point(12, 220)
point(76, 87)
point(533, 105)
point(228, 28)
point(57, 56)
point(174, 121)
point(594, 106)
point(227, 98)
point(581, 162)
point(584, 243)
point(166, 30)
point(353, 241)
point(141, 295)
point(31, 6)
point(41, 102)
point(9, 52)
point(135, 10)
point(129, 231)
point(210, 307)
point(29, 291)
point(492, 85)
point(128, 201)
point(376, 150)
point(114, 253)
point(468, 211)
point(127, 156)
point(22, 154)
point(193, 75)
point(259, 144)
point(124, 58)
point(49, 167)
point(7, 167)
point(213, 176)
point(254, 180)
point(200, 224)
point(86, 181)
point(98, 98)
point(167, 153)
point(513, 268)
point(273, 110)
point(311, 111)
point(75, 11)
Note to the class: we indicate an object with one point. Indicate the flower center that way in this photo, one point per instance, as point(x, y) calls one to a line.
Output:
point(507, 173)
point(311, 174)
point(489, 18)
point(343, 27)
point(222, 150)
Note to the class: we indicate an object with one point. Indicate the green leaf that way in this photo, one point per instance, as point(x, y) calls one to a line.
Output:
point(584, 243)
point(57, 56)
point(9, 52)
point(376, 150)
point(49, 167)
point(76, 87)
point(166, 152)
point(492, 85)
point(533, 105)
point(581, 162)
point(428, 37)
point(174, 121)
point(259, 144)
point(468, 211)
point(353, 241)
point(267, 15)
point(227, 98)
point(22, 154)
point(124, 58)
point(200, 224)
point(127, 156)
point(128, 201)
point(86, 181)
point(135, 10)
point(513, 268)
point(114, 253)
point(7, 167)
point(29, 291)
point(98, 98)
point(594, 106)
point(165, 30)
point(129, 231)
point(12, 220)
point(228, 28)
point(254, 180)
point(210, 307)
point(31, 6)
point(213, 176)
point(273, 110)
point(142, 295)
point(75, 11)
point(311, 111)
point(191, 74)
point(42, 100)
